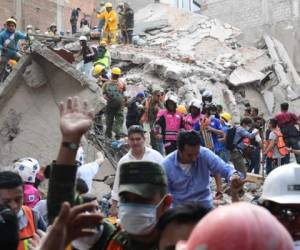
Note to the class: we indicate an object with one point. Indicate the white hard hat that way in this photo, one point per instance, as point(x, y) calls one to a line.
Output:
point(282, 185)
point(172, 97)
point(196, 103)
point(207, 93)
point(27, 168)
point(82, 38)
point(29, 27)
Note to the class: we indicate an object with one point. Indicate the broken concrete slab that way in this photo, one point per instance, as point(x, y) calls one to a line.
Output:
point(37, 130)
point(242, 76)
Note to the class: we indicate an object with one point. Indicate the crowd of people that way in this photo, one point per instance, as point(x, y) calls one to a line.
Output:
point(160, 203)
point(162, 196)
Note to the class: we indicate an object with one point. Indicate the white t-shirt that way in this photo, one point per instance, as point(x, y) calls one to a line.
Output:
point(87, 172)
point(185, 167)
point(276, 154)
point(149, 155)
point(80, 156)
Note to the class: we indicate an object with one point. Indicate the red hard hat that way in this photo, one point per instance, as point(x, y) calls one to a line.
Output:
point(240, 226)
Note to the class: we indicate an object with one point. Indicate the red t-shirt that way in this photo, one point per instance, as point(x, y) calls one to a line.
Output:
point(286, 118)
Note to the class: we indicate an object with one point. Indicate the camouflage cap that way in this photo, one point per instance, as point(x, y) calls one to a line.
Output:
point(142, 178)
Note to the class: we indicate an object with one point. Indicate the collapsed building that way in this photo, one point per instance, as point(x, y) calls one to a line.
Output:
point(182, 52)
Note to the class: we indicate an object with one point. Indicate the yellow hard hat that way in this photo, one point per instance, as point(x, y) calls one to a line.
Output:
point(104, 43)
point(226, 116)
point(108, 5)
point(98, 69)
point(11, 20)
point(181, 109)
point(116, 71)
point(12, 63)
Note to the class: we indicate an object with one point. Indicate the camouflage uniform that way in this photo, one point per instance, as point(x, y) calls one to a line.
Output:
point(114, 108)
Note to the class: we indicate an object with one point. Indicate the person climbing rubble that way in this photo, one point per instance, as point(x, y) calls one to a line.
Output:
point(235, 143)
point(275, 147)
point(135, 110)
point(113, 91)
point(194, 114)
point(170, 123)
point(287, 122)
point(111, 24)
point(88, 54)
point(126, 22)
point(102, 57)
point(101, 74)
point(207, 98)
point(189, 169)
point(211, 132)
point(74, 18)
point(152, 106)
point(52, 30)
point(9, 39)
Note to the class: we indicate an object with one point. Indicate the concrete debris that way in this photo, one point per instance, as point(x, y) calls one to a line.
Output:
point(29, 113)
point(243, 76)
point(34, 75)
point(174, 49)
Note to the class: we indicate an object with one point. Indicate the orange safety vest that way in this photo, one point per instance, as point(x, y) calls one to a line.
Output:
point(280, 144)
point(27, 232)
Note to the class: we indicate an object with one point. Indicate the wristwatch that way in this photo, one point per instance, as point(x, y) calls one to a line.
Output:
point(70, 145)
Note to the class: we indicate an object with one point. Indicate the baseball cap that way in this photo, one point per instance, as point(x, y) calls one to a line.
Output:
point(142, 178)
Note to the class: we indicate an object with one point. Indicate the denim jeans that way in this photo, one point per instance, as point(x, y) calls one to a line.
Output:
point(255, 161)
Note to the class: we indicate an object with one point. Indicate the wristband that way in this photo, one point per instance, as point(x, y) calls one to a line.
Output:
point(71, 145)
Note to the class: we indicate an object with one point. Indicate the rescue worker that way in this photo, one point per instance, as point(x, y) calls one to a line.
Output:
point(88, 54)
point(9, 39)
point(74, 19)
point(281, 196)
point(170, 122)
point(225, 119)
point(206, 98)
point(135, 110)
point(101, 74)
point(113, 91)
point(194, 114)
point(111, 24)
point(181, 109)
point(126, 22)
point(275, 146)
point(52, 31)
point(152, 106)
point(11, 194)
point(101, 21)
point(102, 57)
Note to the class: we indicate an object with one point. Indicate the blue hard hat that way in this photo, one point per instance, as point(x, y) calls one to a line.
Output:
point(141, 94)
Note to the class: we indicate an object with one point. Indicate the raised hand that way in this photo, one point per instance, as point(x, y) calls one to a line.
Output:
point(75, 119)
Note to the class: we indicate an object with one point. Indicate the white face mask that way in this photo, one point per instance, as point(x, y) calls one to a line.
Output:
point(138, 219)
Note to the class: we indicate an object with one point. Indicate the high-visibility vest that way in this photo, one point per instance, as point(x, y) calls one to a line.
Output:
point(280, 144)
point(27, 232)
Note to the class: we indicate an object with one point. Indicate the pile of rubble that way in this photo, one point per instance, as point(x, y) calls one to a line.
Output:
point(188, 52)
point(177, 50)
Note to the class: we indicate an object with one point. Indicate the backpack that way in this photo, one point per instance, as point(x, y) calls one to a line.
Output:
point(113, 93)
point(230, 138)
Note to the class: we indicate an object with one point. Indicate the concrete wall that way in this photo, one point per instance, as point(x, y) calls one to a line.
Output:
point(41, 13)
